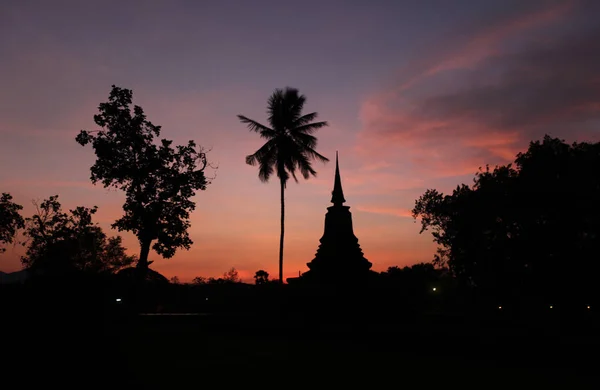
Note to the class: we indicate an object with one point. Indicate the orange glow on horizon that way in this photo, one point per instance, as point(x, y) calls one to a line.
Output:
point(406, 115)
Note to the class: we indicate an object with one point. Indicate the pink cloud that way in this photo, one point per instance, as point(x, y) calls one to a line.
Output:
point(397, 212)
point(375, 179)
point(484, 43)
point(506, 98)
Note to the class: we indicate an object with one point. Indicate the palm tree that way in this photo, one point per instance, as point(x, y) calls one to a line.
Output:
point(290, 145)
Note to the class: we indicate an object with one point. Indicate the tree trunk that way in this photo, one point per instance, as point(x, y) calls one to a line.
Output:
point(142, 264)
point(282, 231)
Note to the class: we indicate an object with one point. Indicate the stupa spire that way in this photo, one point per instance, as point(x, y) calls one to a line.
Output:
point(339, 257)
point(337, 196)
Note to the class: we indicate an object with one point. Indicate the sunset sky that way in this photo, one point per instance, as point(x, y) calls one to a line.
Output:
point(418, 94)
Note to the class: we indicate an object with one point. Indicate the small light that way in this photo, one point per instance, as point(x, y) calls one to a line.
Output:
point(499, 307)
point(118, 299)
point(206, 299)
point(550, 306)
point(434, 289)
point(589, 307)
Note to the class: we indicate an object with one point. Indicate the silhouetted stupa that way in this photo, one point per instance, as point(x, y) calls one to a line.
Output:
point(339, 257)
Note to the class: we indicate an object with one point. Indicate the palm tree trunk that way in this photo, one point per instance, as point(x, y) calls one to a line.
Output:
point(282, 232)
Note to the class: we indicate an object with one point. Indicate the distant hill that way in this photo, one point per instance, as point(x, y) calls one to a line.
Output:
point(14, 277)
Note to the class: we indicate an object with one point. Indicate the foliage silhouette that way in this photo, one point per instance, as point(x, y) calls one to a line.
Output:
point(232, 276)
point(198, 280)
point(59, 242)
point(10, 220)
point(158, 180)
point(261, 277)
point(415, 275)
point(528, 230)
point(174, 280)
point(290, 145)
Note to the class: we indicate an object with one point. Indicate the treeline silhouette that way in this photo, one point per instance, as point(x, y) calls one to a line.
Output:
point(526, 233)
point(517, 246)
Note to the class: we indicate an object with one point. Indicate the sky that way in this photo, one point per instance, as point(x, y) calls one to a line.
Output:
point(418, 93)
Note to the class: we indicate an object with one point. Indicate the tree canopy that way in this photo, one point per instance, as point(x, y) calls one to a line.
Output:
point(60, 242)
point(232, 276)
point(10, 220)
point(261, 277)
point(290, 145)
point(532, 227)
point(159, 180)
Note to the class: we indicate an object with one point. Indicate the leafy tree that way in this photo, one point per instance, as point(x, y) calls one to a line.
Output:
point(528, 229)
point(198, 280)
point(416, 276)
point(158, 180)
point(261, 277)
point(174, 280)
point(59, 242)
point(232, 276)
point(10, 220)
point(290, 145)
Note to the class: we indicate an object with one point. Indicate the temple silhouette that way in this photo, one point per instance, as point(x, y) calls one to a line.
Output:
point(339, 257)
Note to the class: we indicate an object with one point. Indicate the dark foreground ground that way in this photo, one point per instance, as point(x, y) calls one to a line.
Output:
point(296, 350)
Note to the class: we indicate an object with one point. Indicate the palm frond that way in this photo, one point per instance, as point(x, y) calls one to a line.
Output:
point(265, 157)
point(295, 103)
point(267, 164)
point(275, 109)
point(307, 140)
point(264, 131)
point(287, 155)
point(291, 168)
point(305, 167)
point(310, 128)
point(285, 107)
point(262, 153)
point(313, 154)
point(251, 159)
point(274, 100)
point(305, 119)
point(291, 145)
point(264, 172)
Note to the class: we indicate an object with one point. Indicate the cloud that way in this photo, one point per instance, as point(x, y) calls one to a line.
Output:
point(486, 34)
point(558, 81)
point(508, 84)
point(375, 179)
